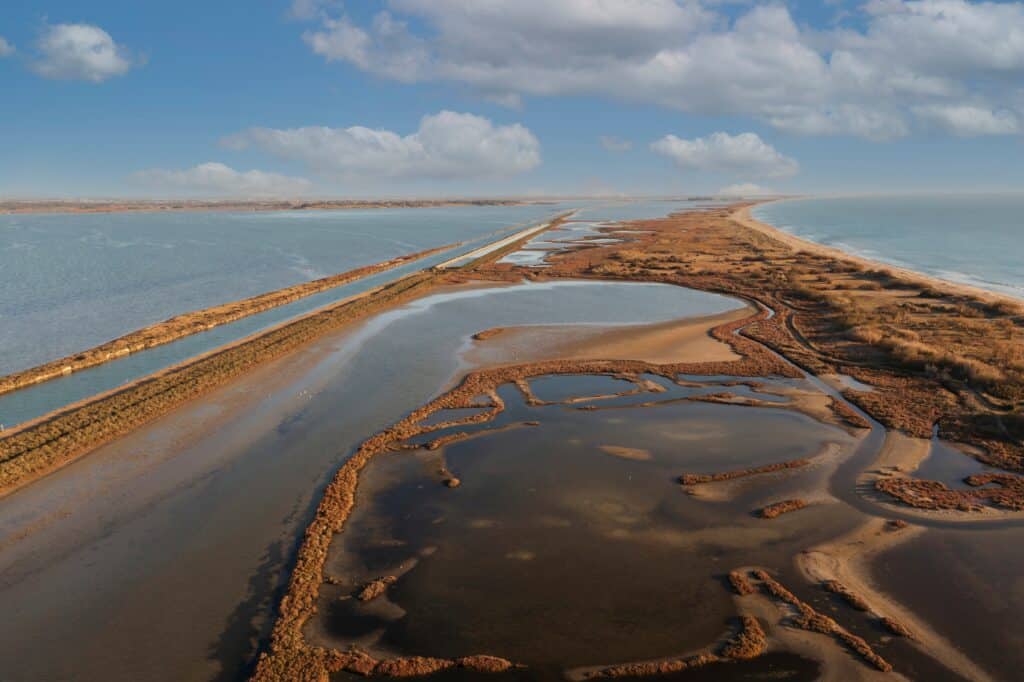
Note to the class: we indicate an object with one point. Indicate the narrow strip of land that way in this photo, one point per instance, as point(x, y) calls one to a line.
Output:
point(197, 321)
point(32, 450)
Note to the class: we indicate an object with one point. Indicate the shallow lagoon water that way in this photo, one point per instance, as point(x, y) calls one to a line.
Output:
point(967, 583)
point(222, 489)
point(555, 553)
point(73, 281)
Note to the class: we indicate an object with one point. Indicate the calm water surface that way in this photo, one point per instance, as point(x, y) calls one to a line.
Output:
point(973, 239)
point(160, 556)
point(72, 281)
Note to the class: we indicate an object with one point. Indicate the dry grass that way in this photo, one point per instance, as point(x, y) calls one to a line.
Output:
point(694, 479)
point(779, 508)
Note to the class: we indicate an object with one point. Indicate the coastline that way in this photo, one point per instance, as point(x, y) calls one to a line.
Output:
point(71, 207)
point(746, 218)
point(706, 251)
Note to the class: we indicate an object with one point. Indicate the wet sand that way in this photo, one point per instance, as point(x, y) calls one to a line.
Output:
point(666, 342)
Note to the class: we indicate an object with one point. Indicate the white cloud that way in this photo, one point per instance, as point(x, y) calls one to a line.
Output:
point(446, 145)
point(615, 144)
point(80, 52)
point(743, 154)
point(744, 189)
point(969, 121)
point(305, 10)
point(691, 57)
point(219, 179)
point(6, 49)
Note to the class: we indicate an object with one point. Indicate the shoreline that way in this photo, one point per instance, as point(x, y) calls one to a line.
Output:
point(58, 207)
point(745, 217)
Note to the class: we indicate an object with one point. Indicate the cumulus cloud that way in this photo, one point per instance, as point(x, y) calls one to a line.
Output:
point(743, 154)
point(6, 49)
point(80, 52)
point(744, 189)
point(447, 145)
point(219, 179)
point(690, 56)
point(970, 121)
point(615, 144)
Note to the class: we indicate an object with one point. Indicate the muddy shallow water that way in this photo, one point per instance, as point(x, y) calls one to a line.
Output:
point(569, 543)
point(978, 575)
point(100, 560)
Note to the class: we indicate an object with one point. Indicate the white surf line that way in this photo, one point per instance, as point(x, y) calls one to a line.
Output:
point(494, 246)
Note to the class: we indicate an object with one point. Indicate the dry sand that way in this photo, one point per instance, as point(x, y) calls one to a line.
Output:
point(686, 340)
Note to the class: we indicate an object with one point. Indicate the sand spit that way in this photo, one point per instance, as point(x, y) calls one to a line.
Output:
point(844, 562)
point(835, 315)
point(661, 343)
point(197, 321)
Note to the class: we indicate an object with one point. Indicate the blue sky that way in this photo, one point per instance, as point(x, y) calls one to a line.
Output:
point(117, 98)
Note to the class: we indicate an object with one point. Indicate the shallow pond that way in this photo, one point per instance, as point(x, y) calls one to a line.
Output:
point(568, 543)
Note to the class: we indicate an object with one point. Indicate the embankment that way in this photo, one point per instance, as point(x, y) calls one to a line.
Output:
point(197, 321)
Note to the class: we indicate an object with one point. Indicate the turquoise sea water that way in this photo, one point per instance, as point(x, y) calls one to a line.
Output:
point(973, 239)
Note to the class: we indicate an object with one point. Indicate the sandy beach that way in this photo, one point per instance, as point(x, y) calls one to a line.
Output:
point(744, 217)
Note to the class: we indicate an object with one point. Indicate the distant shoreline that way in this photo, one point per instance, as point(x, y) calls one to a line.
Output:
point(159, 206)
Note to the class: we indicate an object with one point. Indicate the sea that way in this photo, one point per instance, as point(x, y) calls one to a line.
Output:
point(975, 239)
